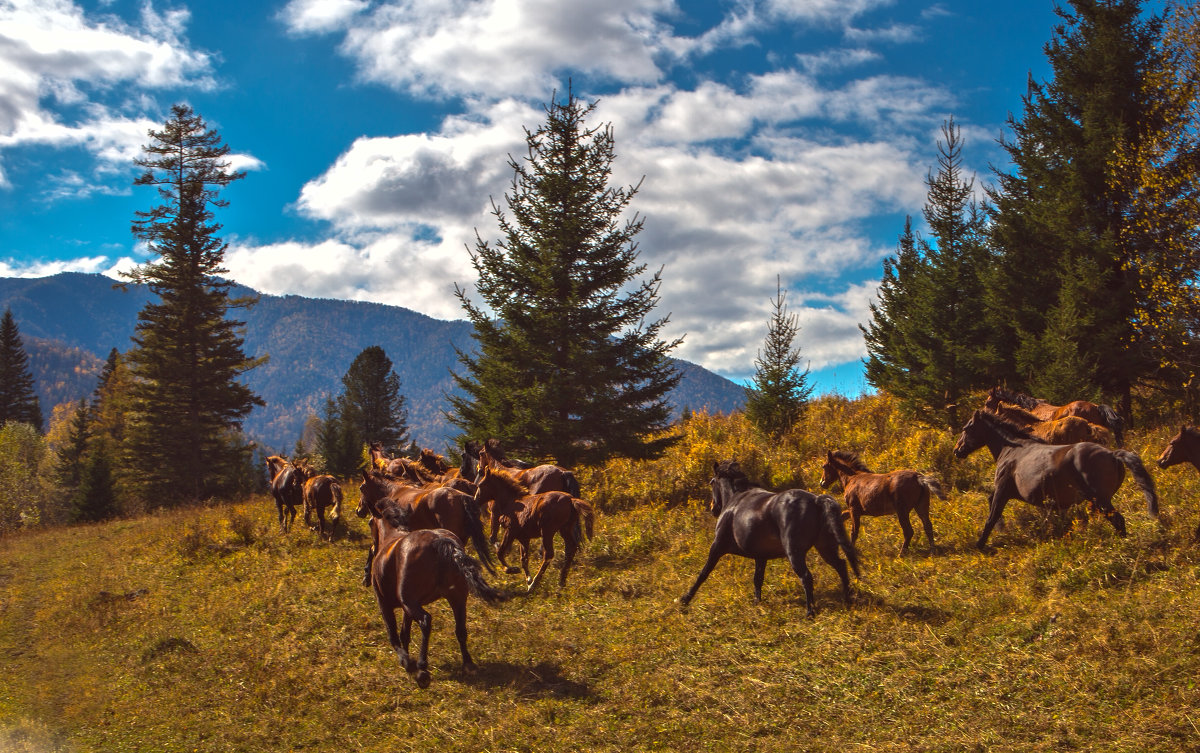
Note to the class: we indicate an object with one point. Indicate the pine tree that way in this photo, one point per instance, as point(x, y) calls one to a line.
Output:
point(72, 453)
point(187, 357)
point(781, 391)
point(567, 367)
point(96, 497)
point(17, 399)
point(371, 405)
point(929, 342)
point(1064, 208)
point(338, 443)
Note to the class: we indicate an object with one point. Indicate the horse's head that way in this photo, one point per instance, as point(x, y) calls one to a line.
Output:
point(993, 400)
point(275, 464)
point(498, 486)
point(829, 473)
point(1179, 448)
point(433, 462)
point(972, 438)
point(727, 476)
point(370, 491)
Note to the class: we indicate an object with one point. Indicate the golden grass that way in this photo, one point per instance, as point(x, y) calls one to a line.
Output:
point(208, 630)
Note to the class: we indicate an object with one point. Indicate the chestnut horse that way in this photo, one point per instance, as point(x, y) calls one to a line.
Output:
point(528, 515)
point(1184, 447)
point(432, 506)
point(414, 568)
point(287, 487)
point(321, 492)
point(873, 494)
point(1065, 430)
point(1101, 415)
point(1050, 475)
point(764, 525)
point(538, 479)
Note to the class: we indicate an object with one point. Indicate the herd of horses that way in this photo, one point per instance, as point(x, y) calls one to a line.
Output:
point(422, 512)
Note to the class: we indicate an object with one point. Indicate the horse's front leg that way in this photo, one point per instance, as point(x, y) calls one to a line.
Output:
point(760, 574)
point(719, 548)
point(502, 551)
point(1000, 498)
point(279, 507)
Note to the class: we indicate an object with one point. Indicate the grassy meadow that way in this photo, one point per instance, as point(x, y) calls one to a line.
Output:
point(206, 629)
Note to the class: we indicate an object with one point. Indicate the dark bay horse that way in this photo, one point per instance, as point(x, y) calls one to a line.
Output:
point(414, 568)
point(1068, 429)
point(873, 494)
point(1184, 447)
point(1050, 475)
point(1101, 415)
point(528, 516)
point(321, 492)
point(430, 506)
point(764, 525)
point(287, 487)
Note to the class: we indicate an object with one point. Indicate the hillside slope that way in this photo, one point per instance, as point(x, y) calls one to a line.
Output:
point(311, 343)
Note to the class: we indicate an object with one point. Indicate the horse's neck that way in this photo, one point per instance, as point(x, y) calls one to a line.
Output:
point(845, 473)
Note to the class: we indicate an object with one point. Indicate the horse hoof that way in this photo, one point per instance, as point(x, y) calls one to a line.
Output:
point(424, 678)
point(512, 570)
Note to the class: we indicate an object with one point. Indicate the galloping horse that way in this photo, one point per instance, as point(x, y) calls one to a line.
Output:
point(321, 492)
point(763, 525)
point(1049, 475)
point(1065, 430)
point(868, 493)
point(1184, 447)
point(1101, 415)
point(417, 567)
point(529, 515)
point(287, 487)
point(538, 479)
point(431, 506)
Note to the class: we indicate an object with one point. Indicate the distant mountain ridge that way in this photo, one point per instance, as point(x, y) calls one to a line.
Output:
point(69, 322)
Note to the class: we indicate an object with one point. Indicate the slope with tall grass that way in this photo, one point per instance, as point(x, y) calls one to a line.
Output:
point(208, 630)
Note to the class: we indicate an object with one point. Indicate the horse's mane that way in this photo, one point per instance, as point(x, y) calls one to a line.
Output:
point(509, 480)
point(1007, 407)
point(396, 514)
point(1018, 399)
point(1191, 431)
point(422, 473)
point(433, 461)
point(851, 459)
point(730, 469)
point(1009, 429)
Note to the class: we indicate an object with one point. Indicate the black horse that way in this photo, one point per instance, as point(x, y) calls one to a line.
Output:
point(1051, 475)
point(763, 525)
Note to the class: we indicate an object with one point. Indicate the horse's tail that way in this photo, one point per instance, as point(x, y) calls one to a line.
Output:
point(572, 484)
point(933, 485)
point(1115, 423)
point(1141, 477)
point(833, 521)
point(335, 490)
point(586, 514)
point(477, 535)
point(469, 567)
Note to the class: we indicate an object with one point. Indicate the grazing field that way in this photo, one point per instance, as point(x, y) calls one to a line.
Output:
point(206, 629)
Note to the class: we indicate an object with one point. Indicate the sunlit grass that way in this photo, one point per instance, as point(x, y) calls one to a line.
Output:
point(207, 629)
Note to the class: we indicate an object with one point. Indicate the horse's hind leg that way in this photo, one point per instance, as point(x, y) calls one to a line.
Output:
point(399, 640)
point(570, 547)
point(906, 527)
point(547, 556)
point(829, 552)
point(760, 573)
point(425, 621)
point(926, 523)
point(459, 607)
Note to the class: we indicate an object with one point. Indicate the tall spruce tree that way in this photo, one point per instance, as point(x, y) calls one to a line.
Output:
point(17, 399)
point(187, 359)
point(371, 407)
point(567, 366)
point(1061, 226)
point(929, 342)
point(780, 392)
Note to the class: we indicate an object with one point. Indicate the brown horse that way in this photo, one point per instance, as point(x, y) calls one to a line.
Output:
point(1065, 430)
point(538, 479)
point(1093, 413)
point(1184, 447)
point(287, 487)
point(414, 568)
point(1049, 475)
point(528, 515)
point(764, 525)
point(431, 506)
point(321, 492)
point(873, 494)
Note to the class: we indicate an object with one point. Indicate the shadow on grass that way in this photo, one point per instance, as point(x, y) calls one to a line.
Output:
point(909, 612)
point(543, 680)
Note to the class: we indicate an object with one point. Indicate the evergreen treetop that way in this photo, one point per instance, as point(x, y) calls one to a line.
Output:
point(18, 402)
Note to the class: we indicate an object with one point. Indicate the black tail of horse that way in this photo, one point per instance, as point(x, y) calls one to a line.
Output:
point(933, 485)
point(833, 521)
point(572, 484)
point(477, 535)
point(1114, 422)
point(469, 567)
point(1141, 477)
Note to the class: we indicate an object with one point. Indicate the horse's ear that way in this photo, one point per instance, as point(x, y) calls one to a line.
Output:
point(366, 475)
point(716, 468)
point(829, 454)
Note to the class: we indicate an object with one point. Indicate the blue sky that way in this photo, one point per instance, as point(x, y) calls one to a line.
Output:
point(777, 138)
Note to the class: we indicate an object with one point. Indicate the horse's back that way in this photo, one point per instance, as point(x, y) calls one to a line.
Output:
point(417, 567)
